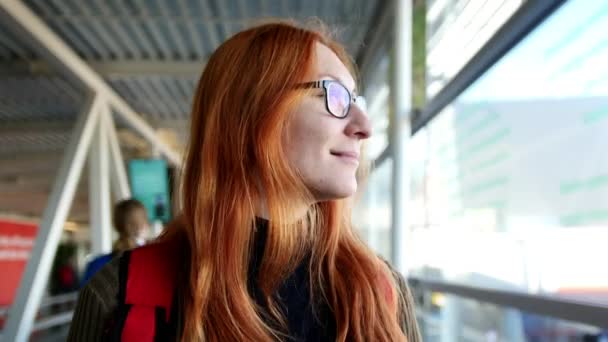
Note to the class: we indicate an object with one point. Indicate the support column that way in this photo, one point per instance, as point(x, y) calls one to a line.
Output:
point(118, 177)
point(23, 311)
point(400, 130)
point(99, 188)
point(372, 218)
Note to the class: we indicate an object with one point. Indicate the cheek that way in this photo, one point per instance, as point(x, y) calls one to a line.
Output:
point(308, 143)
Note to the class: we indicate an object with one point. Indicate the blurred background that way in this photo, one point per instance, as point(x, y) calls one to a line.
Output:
point(489, 190)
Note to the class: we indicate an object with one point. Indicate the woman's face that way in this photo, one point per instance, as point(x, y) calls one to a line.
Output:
point(325, 149)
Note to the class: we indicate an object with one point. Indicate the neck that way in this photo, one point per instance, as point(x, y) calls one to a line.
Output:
point(261, 207)
point(298, 212)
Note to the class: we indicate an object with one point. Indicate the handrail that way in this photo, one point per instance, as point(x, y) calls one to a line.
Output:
point(59, 299)
point(567, 309)
point(49, 322)
point(58, 319)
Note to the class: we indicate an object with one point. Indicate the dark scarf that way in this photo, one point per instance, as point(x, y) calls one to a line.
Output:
point(293, 297)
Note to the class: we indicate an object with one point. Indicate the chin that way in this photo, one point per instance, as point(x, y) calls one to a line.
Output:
point(338, 191)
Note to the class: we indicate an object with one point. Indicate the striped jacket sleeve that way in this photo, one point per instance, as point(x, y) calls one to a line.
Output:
point(96, 304)
point(407, 309)
point(409, 324)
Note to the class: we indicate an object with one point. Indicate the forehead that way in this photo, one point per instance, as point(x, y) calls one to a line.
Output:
point(137, 212)
point(329, 66)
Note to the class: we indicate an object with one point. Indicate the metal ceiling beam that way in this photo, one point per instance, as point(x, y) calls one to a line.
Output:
point(18, 16)
point(98, 30)
point(118, 32)
point(111, 69)
point(227, 18)
point(73, 37)
point(223, 13)
point(153, 28)
point(173, 31)
point(84, 29)
point(192, 30)
point(212, 31)
point(138, 30)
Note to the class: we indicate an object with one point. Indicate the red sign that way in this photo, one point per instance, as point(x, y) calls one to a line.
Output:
point(16, 242)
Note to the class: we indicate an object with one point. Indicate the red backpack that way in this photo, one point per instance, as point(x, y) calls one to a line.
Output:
point(147, 277)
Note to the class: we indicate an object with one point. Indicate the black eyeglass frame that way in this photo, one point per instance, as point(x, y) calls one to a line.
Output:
point(324, 84)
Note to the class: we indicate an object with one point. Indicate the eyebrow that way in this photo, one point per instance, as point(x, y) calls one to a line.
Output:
point(353, 91)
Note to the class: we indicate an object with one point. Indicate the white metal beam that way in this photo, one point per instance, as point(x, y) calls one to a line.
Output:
point(50, 45)
point(400, 130)
point(24, 308)
point(99, 188)
point(118, 176)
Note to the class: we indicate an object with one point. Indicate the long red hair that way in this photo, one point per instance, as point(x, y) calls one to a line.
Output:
point(236, 160)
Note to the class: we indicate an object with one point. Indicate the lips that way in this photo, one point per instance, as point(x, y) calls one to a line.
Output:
point(354, 155)
point(347, 156)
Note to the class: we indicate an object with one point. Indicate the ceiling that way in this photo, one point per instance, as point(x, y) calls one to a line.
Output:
point(150, 52)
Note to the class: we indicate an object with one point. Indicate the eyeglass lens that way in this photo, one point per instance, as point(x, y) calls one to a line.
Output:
point(338, 99)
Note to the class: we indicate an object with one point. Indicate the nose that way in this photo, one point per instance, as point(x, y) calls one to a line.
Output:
point(358, 125)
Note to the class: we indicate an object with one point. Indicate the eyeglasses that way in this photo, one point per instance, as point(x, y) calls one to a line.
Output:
point(337, 98)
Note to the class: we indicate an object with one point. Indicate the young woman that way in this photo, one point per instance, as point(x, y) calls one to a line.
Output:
point(264, 249)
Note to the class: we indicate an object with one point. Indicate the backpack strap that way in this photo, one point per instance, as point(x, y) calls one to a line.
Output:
point(149, 291)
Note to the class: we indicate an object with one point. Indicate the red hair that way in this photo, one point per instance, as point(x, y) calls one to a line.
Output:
point(235, 152)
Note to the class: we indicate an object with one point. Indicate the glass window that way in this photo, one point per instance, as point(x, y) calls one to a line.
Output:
point(444, 317)
point(510, 181)
point(377, 93)
point(456, 30)
point(372, 214)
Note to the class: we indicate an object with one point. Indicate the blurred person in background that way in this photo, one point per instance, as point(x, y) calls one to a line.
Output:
point(131, 224)
point(64, 274)
point(264, 248)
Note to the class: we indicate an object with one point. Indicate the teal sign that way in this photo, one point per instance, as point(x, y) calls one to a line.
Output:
point(150, 184)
